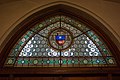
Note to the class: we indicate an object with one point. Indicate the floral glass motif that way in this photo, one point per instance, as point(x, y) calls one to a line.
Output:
point(60, 41)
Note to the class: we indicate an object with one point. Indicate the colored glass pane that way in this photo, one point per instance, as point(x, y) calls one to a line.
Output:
point(60, 41)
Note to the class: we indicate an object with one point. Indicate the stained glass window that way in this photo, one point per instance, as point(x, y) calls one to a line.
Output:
point(60, 41)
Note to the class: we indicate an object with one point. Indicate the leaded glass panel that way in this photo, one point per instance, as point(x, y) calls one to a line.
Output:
point(60, 41)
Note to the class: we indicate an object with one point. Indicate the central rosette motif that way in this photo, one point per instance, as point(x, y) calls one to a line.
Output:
point(60, 38)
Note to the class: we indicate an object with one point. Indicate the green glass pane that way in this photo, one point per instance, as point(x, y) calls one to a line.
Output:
point(90, 33)
point(57, 18)
point(43, 23)
point(26, 61)
point(40, 61)
point(15, 51)
point(81, 62)
point(47, 22)
point(18, 47)
point(76, 61)
point(64, 61)
point(62, 18)
point(95, 61)
point(69, 61)
point(99, 43)
point(56, 61)
point(94, 37)
point(30, 61)
point(101, 61)
point(52, 19)
point(83, 28)
point(52, 61)
point(105, 51)
point(19, 61)
point(76, 23)
point(72, 22)
point(26, 36)
point(29, 33)
point(45, 61)
point(21, 43)
point(38, 27)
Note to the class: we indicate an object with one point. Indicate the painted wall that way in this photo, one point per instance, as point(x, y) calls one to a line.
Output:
point(12, 12)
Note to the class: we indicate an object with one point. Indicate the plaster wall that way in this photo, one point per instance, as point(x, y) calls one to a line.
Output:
point(12, 12)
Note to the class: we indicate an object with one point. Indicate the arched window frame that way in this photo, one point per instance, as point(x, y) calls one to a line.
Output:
point(34, 19)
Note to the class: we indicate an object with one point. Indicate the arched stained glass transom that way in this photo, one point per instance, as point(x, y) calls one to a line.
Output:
point(60, 41)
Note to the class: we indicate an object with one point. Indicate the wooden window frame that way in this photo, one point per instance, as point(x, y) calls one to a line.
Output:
point(20, 29)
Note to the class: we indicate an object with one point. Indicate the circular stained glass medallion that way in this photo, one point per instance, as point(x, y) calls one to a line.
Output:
point(35, 61)
point(60, 38)
point(10, 61)
point(111, 61)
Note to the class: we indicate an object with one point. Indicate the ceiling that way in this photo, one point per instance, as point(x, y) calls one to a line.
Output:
point(116, 1)
point(9, 1)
